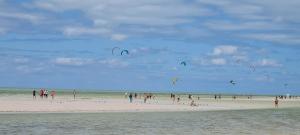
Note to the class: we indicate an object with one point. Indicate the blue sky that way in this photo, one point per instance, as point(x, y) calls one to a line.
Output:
point(68, 44)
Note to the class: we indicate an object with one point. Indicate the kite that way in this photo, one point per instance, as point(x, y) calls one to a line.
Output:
point(114, 49)
point(183, 63)
point(232, 82)
point(125, 52)
point(174, 80)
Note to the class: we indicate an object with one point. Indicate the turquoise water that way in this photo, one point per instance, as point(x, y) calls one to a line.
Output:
point(261, 122)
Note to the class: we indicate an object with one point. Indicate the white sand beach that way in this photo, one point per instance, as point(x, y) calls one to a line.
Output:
point(66, 103)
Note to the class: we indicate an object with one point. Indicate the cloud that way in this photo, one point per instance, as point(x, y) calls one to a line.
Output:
point(259, 16)
point(76, 31)
point(258, 9)
point(225, 50)
point(72, 61)
point(274, 37)
point(267, 63)
point(218, 61)
point(241, 26)
point(117, 16)
point(114, 63)
point(21, 16)
point(29, 69)
point(148, 50)
point(265, 78)
point(21, 60)
point(119, 20)
point(118, 37)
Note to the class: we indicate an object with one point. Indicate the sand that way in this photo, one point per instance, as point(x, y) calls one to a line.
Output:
point(66, 104)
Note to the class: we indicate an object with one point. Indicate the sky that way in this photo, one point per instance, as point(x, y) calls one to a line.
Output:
point(68, 44)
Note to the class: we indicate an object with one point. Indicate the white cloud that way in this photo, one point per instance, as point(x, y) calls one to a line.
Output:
point(273, 37)
point(141, 51)
point(218, 61)
point(76, 31)
point(116, 15)
point(265, 78)
point(21, 16)
point(258, 9)
point(29, 69)
point(260, 16)
point(72, 61)
point(248, 25)
point(267, 63)
point(120, 19)
point(174, 68)
point(114, 63)
point(225, 50)
point(21, 60)
point(118, 37)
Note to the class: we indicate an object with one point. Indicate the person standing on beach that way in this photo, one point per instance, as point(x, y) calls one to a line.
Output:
point(41, 93)
point(53, 93)
point(130, 97)
point(74, 94)
point(46, 93)
point(33, 94)
point(276, 102)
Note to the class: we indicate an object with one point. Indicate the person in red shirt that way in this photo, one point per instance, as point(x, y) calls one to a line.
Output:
point(53, 93)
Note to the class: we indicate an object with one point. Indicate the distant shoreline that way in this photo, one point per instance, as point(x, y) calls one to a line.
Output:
point(141, 111)
point(26, 90)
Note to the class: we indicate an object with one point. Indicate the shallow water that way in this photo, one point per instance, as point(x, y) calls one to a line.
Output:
point(262, 122)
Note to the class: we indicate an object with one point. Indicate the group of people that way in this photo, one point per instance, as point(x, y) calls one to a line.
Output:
point(136, 95)
point(43, 93)
point(287, 97)
point(190, 97)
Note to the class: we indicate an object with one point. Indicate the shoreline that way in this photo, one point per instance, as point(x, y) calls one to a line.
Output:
point(106, 103)
point(139, 111)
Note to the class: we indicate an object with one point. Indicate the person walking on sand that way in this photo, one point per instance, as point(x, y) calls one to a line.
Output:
point(74, 94)
point(130, 97)
point(276, 102)
point(33, 94)
point(53, 93)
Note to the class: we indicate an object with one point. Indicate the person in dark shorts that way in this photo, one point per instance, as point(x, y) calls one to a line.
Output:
point(33, 94)
point(130, 97)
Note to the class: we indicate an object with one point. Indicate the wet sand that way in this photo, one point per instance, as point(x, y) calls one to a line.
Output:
point(118, 103)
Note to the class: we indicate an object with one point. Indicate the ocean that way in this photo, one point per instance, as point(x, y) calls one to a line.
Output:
point(234, 122)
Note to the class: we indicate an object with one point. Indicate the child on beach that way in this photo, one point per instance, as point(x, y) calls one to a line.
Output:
point(193, 103)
